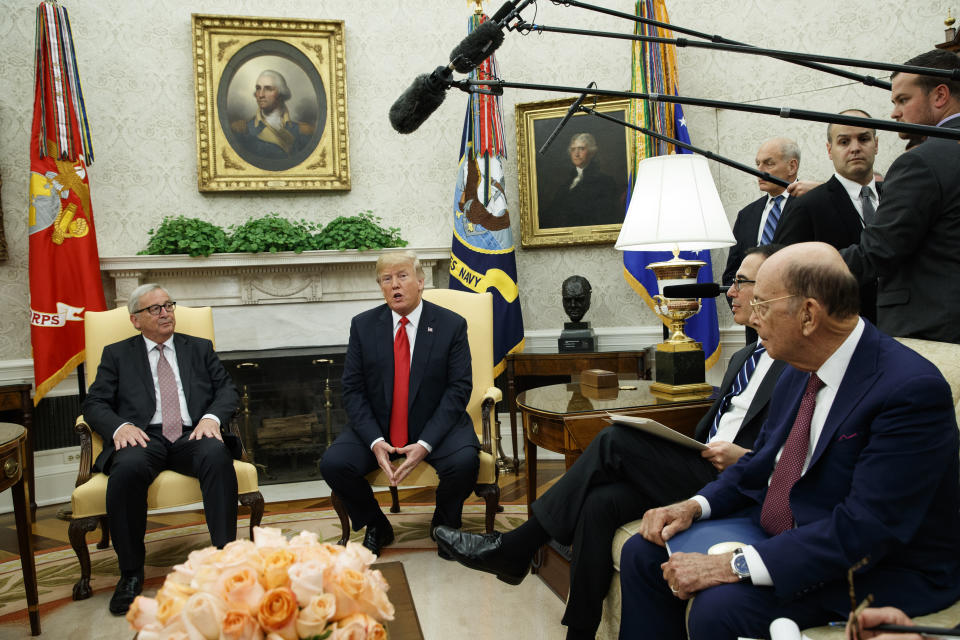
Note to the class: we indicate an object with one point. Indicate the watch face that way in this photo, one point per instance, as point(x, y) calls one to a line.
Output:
point(740, 565)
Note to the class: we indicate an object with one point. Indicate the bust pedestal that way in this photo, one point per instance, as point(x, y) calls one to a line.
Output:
point(577, 337)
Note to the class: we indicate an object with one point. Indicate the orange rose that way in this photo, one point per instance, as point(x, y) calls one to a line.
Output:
point(143, 613)
point(275, 566)
point(314, 617)
point(278, 613)
point(242, 589)
point(346, 586)
point(240, 625)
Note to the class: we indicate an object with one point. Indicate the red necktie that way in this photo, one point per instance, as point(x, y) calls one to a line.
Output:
point(170, 414)
point(401, 386)
point(776, 515)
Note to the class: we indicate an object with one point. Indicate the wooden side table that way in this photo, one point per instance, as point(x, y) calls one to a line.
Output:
point(565, 418)
point(15, 397)
point(13, 456)
point(520, 365)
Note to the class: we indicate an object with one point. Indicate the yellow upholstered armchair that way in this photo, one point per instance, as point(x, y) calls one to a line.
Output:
point(169, 489)
point(477, 309)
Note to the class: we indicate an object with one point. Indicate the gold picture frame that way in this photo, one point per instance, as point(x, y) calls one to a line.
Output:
point(554, 210)
point(301, 143)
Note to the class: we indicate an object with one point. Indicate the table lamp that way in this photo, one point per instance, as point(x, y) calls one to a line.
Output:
point(675, 207)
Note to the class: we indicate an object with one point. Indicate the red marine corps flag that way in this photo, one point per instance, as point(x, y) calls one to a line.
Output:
point(64, 265)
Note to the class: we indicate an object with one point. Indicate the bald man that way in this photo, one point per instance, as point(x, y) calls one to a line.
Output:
point(833, 478)
point(757, 222)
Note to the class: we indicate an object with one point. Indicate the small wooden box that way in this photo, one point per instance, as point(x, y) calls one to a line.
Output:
point(598, 378)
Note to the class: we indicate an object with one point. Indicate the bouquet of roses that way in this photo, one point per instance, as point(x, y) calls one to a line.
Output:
point(269, 589)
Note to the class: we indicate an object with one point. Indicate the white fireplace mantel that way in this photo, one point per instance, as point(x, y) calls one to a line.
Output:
point(269, 300)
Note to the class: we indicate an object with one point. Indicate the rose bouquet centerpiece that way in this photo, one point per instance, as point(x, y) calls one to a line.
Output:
point(269, 589)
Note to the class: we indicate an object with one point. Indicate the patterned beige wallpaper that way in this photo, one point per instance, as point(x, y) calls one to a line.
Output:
point(136, 65)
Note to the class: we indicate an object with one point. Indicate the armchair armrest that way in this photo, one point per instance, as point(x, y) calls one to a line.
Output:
point(86, 450)
point(491, 397)
point(493, 393)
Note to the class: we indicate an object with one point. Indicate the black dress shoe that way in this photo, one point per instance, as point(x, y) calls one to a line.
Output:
point(481, 552)
point(377, 537)
point(127, 589)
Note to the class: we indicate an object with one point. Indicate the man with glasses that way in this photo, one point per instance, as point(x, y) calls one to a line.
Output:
point(624, 472)
point(158, 402)
point(858, 458)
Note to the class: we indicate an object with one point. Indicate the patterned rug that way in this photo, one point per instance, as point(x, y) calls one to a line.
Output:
point(58, 570)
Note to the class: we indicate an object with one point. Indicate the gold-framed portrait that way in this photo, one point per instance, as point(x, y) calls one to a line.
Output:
point(271, 104)
point(576, 192)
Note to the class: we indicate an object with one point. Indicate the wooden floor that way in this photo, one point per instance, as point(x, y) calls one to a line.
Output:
point(50, 532)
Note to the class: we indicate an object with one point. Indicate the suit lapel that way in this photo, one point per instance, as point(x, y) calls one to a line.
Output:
point(851, 219)
point(765, 390)
point(384, 346)
point(422, 348)
point(184, 365)
point(736, 363)
point(139, 349)
point(860, 376)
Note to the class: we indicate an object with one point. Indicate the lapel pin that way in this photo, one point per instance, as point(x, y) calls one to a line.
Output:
point(429, 329)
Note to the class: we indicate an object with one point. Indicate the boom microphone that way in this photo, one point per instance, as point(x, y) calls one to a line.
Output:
point(477, 46)
point(420, 100)
point(572, 110)
point(699, 290)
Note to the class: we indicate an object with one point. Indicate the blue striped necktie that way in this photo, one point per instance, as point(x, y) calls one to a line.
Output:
point(739, 384)
point(772, 219)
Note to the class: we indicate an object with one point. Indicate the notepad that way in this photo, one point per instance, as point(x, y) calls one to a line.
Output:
point(717, 536)
point(660, 430)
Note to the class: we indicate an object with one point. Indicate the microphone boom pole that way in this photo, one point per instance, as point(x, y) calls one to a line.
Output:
point(783, 112)
point(850, 75)
point(689, 147)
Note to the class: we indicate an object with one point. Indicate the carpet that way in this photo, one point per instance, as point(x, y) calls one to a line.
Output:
point(58, 570)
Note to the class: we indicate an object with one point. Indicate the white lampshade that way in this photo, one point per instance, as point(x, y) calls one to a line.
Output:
point(675, 205)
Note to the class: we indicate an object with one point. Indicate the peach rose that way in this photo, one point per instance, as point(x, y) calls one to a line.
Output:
point(358, 627)
point(275, 566)
point(306, 580)
point(241, 589)
point(346, 585)
point(168, 608)
point(373, 599)
point(203, 614)
point(314, 617)
point(304, 539)
point(142, 613)
point(355, 556)
point(278, 613)
point(237, 553)
point(240, 625)
point(268, 538)
point(206, 579)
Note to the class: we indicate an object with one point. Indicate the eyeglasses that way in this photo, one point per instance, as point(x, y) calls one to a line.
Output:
point(761, 307)
point(738, 283)
point(853, 622)
point(154, 309)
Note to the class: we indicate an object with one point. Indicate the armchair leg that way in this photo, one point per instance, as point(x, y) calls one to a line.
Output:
point(254, 500)
point(78, 540)
point(344, 519)
point(491, 496)
point(395, 507)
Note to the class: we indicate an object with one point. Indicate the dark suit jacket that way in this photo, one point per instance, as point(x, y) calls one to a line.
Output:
point(882, 482)
point(826, 214)
point(745, 230)
point(595, 200)
point(441, 380)
point(756, 412)
point(124, 392)
point(912, 246)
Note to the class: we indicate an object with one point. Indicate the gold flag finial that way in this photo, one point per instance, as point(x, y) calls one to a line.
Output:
point(950, 19)
point(477, 6)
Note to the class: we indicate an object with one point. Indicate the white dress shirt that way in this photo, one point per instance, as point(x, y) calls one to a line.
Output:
point(732, 419)
point(831, 372)
point(853, 190)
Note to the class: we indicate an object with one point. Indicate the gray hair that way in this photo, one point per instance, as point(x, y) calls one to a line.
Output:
point(394, 258)
point(279, 81)
point(588, 141)
point(134, 300)
point(790, 150)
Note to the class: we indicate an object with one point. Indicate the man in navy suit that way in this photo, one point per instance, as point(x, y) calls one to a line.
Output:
point(834, 478)
point(757, 222)
point(624, 472)
point(836, 211)
point(158, 402)
point(407, 379)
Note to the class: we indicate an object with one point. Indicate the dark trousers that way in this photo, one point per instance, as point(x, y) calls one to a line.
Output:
point(621, 474)
point(132, 469)
point(730, 611)
point(345, 464)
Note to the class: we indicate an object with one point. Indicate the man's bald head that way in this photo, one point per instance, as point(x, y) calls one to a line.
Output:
point(807, 302)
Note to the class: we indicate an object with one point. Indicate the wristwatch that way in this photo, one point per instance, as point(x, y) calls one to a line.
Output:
point(738, 564)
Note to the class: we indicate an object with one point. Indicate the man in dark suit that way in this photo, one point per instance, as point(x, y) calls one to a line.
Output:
point(407, 379)
point(158, 402)
point(624, 472)
point(587, 196)
point(757, 222)
point(912, 245)
point(836, 211)
point(833, 478)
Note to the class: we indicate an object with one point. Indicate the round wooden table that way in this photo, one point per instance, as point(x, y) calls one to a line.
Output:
point(13, 456)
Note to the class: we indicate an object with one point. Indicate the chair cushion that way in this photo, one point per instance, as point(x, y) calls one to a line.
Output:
point(90, 498)
point(424, 475)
